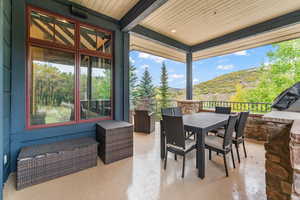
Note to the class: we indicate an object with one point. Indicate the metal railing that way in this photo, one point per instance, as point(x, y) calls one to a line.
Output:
point(255, 108)
point(238, 106)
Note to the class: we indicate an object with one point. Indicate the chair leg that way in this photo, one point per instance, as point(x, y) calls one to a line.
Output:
point(183, 166)
point(225, 163)
point(232, 156)
point(237, 152)
point(166, 158)
point(209, 154)
point(175, 156)
point(244, 149)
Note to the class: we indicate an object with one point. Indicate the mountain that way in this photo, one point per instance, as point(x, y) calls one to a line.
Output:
point(224, 86)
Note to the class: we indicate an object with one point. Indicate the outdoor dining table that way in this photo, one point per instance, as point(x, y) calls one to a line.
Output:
point(200, 124)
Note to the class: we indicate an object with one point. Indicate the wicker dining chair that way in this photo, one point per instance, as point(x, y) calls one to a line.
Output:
point(171, 111)
point(223, 110)
point(222, 145)
point(176, 111)
point(175, 138)
point(238, 135)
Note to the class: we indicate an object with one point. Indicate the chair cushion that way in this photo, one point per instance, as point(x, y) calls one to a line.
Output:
point(214, 141)
point(221, 133)
point(188, 146)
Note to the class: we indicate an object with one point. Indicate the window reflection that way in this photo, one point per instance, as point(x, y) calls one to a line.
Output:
point(94, 40)
point(41, 26)
point(52, 29)
point(52, 86)
point(95, 87)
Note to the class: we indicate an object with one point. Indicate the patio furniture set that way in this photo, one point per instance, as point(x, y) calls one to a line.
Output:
point(216, 132)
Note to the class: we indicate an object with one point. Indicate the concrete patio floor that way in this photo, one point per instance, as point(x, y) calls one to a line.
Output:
point(142, 178)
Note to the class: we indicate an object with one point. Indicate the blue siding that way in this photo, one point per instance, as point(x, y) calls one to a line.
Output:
point(19, 136)
point(5, 86)
point(6, 81)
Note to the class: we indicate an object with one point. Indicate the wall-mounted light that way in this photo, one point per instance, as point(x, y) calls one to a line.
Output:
point(78, 12)
point(173, 31)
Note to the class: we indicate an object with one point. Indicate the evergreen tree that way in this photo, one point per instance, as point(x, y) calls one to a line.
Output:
point(164, 87)
point(146, 89)
point(132, 82)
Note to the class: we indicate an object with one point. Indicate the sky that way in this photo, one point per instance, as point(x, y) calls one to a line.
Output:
point(203, 70)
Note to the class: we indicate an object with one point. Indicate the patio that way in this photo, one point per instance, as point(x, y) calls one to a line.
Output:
point(143, 177)
point(64, 67)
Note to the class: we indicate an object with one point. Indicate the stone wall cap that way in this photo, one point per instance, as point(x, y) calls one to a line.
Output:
point(188, 101)
point(283, 115)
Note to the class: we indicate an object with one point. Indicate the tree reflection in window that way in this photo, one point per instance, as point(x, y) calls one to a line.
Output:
point(52, 93)
point(95, 87)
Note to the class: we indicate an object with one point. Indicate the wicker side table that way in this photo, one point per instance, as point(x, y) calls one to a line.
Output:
point(115, 140)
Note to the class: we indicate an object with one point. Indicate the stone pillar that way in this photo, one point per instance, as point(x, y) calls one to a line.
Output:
point(256, 128)
point(295, 159)
point(190, 106)
point(279, 172)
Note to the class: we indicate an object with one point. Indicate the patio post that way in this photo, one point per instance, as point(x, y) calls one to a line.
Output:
point(189, 76)
point(126, 76)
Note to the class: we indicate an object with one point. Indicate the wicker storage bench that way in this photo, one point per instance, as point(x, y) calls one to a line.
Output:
point(40, 163)
point(115, 140)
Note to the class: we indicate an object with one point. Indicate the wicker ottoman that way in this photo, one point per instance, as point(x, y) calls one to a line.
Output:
point(40, 163)
point(115, 140)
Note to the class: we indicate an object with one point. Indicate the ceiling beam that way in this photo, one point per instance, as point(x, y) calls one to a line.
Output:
point(262, 27)
point(138, 12)
point(160, 38)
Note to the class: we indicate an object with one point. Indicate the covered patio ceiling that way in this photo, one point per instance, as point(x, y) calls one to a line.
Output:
point(172, 28)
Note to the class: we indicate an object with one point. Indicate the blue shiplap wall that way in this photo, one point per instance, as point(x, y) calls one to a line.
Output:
point(19, 135)
point(5, 87)
point(6, 81)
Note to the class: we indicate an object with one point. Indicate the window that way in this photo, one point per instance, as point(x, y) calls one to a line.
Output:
point(56, 57)
point(95, 87)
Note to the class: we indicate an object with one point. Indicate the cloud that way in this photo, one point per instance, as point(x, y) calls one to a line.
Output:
point(195, 80)
point(241, 53)
point(176, 76)
point(131, 60)
point(225, 67)
point(151, 57)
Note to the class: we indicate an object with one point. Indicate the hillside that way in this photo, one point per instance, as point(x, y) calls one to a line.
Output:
point(224, 86)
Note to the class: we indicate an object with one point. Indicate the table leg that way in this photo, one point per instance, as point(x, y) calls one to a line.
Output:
point(162, 142)
point(201, 155)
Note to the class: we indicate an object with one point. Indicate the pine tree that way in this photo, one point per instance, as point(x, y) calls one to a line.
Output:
point(146, 90)
point(132, 82)
point(164, 87)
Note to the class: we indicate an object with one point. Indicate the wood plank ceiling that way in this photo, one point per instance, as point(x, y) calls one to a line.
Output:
point(113, 8)
point(141, 44)
point(271, 37)
point(194, 21)
point(197, 21)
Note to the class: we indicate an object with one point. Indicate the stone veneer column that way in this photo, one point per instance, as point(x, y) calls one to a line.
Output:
point(190, 106)
point(279, 172)
point(295, 159)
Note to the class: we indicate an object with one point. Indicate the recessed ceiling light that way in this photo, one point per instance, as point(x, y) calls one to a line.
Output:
point(173, 31)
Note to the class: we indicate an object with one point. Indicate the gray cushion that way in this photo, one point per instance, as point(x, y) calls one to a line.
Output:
point(214, 141)
point(187, 146)
point(221, 133)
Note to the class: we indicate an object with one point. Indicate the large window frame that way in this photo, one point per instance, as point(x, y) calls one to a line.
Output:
point(78, 51)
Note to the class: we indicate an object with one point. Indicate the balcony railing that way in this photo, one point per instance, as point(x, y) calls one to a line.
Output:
point(238, 106)
point(254, 108)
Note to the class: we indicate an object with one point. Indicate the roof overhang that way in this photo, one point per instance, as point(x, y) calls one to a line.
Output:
point(172, 28)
